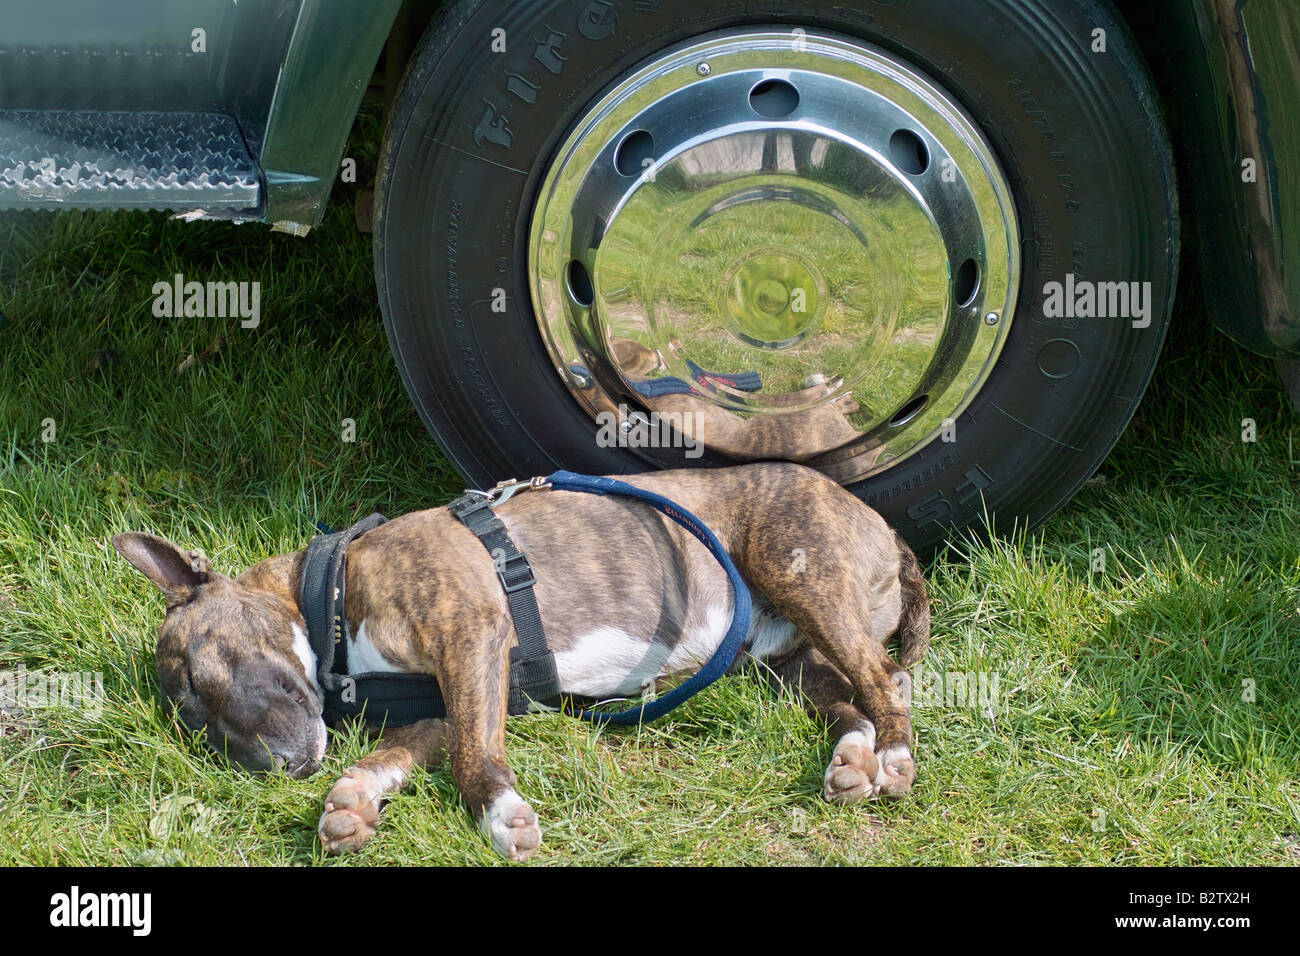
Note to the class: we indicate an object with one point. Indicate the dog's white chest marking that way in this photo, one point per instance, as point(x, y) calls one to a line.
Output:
point(302, 650)
point(608, 661)
point(364, 657)
point(770, 634)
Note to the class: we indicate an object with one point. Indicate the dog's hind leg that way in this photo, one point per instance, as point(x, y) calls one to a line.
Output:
point(353, 805)
point(880, 690)
point(841, 631)
point(854, 770)
point(835, 570)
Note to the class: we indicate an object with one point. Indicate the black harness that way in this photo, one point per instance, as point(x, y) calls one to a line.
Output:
point(399, 699)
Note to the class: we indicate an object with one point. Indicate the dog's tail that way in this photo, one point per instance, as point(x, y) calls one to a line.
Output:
point(914, 621)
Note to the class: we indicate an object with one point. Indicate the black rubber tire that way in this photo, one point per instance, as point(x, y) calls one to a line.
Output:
point(1078, 133)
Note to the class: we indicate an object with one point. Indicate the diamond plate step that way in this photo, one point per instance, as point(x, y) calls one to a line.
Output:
point(126, 160)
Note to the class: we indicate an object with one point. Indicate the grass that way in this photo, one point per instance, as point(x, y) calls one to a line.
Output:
point(1146, 711)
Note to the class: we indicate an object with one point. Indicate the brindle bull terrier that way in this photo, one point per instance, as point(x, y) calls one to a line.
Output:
point(627, 597)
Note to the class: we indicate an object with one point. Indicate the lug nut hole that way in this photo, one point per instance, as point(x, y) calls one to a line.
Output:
point(773, 99)
point(909, 411)
point(631, 155)
point(580, 287)
point(909, 152)
point(966, 283)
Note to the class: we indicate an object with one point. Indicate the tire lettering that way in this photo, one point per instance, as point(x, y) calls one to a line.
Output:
point(598, 20)
point(970, 490)
point(936, 506)
point(1029, 103)
point(454, 305)
point(930, 509)
point(521, 88)
point(493, 127)
point(547, 52)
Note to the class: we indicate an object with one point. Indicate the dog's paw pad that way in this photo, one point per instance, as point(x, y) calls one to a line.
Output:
point(344, 831)
point(851, 775)
point(351, 812)
point(897, 770)
point(511, 824)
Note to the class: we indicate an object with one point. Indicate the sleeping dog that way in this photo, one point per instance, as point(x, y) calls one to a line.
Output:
point(627, 598)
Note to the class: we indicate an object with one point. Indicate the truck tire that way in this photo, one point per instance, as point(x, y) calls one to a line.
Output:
point(580, 203)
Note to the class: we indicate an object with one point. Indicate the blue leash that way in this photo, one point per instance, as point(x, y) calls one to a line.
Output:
point(726, 653)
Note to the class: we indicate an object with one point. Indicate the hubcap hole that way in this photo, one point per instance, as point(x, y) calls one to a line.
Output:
point(966, 283)
point(909, 152)
point(631, 156)
point(580, 287)
point(909, 411)
point(773, 99)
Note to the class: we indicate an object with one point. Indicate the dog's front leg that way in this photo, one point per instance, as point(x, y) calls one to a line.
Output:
point(476, 685)
point(353, 805)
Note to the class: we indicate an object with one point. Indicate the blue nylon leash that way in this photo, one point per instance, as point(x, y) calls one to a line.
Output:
point(726, 653)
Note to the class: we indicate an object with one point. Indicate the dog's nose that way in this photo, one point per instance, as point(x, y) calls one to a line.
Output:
point(306, 768)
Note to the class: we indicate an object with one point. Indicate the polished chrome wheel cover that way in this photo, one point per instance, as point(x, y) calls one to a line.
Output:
point(785, 244)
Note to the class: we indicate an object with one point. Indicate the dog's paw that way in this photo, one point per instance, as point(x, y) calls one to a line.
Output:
point(351, 812)
point(896, 771)
point(853, 770)
point(511, 824)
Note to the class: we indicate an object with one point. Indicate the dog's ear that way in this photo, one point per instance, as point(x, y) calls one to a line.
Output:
point(176, 572)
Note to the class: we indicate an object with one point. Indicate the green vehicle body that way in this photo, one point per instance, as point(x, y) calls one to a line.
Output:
point(283, 80)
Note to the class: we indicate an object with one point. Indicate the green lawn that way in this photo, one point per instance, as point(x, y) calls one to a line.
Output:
point(1146, 713)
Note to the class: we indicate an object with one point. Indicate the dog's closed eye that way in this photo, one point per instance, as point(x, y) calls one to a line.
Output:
point(186, 703)
point(294, 692)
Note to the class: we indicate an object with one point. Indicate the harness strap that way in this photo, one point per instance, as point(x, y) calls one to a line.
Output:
point(321, 597)
point(533, 677)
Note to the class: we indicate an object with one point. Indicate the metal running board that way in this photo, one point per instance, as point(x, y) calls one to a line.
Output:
point(125, 160)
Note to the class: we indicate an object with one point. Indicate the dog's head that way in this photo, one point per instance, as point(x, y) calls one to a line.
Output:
point(234, 661)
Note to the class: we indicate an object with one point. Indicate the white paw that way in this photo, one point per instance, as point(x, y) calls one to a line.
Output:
point(351, 812)
point(896, 770)
point(511, 824)
point(851, 774)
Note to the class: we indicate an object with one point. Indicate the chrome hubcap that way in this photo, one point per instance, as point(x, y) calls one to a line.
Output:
point(784, 244)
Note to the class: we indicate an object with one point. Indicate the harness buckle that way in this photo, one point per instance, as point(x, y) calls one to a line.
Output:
point(512, 563)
